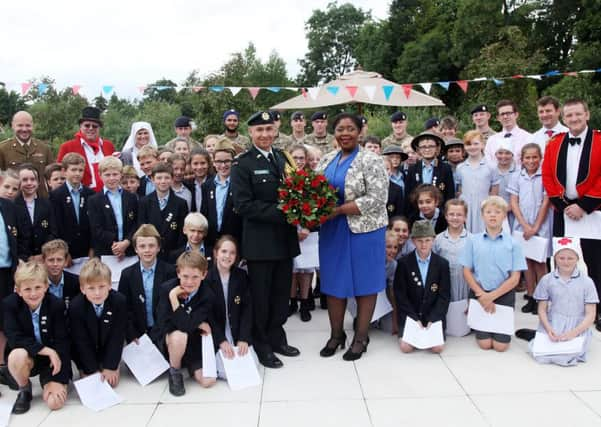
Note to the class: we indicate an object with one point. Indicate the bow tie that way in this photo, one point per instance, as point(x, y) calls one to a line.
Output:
point(574, 141)
point(507, 135)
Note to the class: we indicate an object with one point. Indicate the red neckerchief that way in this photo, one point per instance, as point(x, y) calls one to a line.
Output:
point(93, 143)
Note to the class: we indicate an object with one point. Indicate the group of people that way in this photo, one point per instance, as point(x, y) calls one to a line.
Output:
point(425, 220)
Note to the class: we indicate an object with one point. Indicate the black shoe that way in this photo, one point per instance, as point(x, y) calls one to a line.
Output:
point(293, 307)
point(350, 355)
point(305, 314)
point(270, 360)
point(598, 325)
point(311, 300)
point(23, 402)
point(176, 384)
point(525, 334)
point(332, 345)
point(530, 306)
point(323, 302)
point(7, 379)
point(287, 350)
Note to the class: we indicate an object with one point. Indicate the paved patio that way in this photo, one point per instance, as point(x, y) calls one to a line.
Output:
point(463, 386)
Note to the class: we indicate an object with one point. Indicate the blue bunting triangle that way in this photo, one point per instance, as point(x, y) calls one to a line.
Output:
point(333, 89)
point(42, 88)
point(217, 88)
point(498, 82)
point(107, 89)
point(387, 89)
point(444, 85)
point(274, 89)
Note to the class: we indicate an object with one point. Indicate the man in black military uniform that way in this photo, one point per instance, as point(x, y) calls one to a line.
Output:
point(268, 242)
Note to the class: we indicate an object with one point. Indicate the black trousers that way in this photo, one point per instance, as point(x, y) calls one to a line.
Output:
point(270, 291)
point(591, 254)
point(7, 286)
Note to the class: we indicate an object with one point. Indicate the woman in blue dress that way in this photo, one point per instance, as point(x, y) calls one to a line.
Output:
point(352, 254)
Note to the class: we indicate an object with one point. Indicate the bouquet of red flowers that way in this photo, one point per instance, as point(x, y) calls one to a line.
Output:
point(306, 198)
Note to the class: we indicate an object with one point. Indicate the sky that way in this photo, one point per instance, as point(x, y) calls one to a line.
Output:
point(128, 44)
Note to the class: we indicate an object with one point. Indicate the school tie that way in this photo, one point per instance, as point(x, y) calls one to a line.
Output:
point(507, 135)
point(163, 203)
point(98, 310)
point(574, 141)
point(549, 133)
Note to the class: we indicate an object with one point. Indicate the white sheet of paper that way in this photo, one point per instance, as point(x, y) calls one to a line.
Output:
point(209, 365)
point(77, 264)
point(587, 227)
point(457, 319)
point(144, 360)
point(6, 408)
point(241, 371)
point(382, 308)
point(96, 394)
point(423, 338)
point(116, 266)
point(543, 346)
point(535, 248)
point(309, 256)
point(501, 322)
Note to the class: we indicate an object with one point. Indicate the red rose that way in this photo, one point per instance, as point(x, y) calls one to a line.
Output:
point(301, 173)
point(323, 219)
point(306, 208)
point(295, 222)
point(285, 208)
point(293, 202)
point(283, 193)
point(311, 224)
point(288, 182)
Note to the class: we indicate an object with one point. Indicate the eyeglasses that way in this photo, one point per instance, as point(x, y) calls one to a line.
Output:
point(507, 113)
point(427, 147)
point(222, 162)
point(90, 126)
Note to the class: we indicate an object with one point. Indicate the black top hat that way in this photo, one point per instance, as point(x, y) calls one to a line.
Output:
point(90, 114)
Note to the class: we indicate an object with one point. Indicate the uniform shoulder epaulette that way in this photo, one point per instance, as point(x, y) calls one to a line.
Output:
point(5, 141)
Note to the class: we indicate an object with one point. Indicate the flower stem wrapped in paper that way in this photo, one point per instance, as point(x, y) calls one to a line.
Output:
point(306, 198)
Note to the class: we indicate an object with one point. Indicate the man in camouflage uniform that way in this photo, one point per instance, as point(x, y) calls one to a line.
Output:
point(231, 121)
point(481, 117)
point(281, 141)
point(399, 135)
point(22, 148)
point(298, 123)
point(320, 137)
point(183, 129)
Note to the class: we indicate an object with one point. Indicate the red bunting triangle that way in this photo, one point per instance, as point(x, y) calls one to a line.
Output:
point(517, 76)
point(254, 91)
point(75, 89)
point(571, 73)
point(197, 88)
point(25, 88)
point(352, 90)
point(407, 90)
point(141, 89)
point(463, 85)
point(304, 91)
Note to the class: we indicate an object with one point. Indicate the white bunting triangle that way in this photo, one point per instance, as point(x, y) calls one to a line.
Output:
point(426, 87)
point(313, 92)
point(234, 90)
point(370, 91)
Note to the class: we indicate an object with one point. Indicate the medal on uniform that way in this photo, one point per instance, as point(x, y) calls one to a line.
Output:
point(434, 287)
point(44, 223)
point(173, 225)
point(391, 208)
point(13, 231)
point(237, 299)
point(130, 215)
point(441, 186)
point(169, 217)
point(212, 195)
point(107, 206)
point(68, 200)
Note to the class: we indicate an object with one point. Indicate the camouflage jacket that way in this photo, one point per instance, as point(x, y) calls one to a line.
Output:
point(325, 144)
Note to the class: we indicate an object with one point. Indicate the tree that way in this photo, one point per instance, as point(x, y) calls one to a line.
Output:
point(161, 90)
point(332, 35)
point(10, 103)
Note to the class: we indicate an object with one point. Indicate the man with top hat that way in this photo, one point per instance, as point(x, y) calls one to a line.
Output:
point(548, 111)
point(231, 121)
point(183, 129)
point(22, 148)
point(90, 145)
point(399, 135)
point(320, 137)
point(298, 123)
point(480, 117)
point(572, 179)
point(281, 141)
point(269, 243)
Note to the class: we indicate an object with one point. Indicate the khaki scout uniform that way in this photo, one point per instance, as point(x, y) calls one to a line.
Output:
point(191, 142)
point(38, 153)
point(324, 143)
point(487, 134)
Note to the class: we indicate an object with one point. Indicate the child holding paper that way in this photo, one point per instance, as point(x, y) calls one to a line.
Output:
point(38, 340)
point(567, 301)
point(97, 318)
point(422, 284)
point(231, 315)
point(492, 262)
point(182, 317)
point(530, 207)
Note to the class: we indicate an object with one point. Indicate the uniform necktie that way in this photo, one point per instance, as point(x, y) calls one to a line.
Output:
point(98, 310)
point(549, 133)
point(574, 141)
point(162, 203)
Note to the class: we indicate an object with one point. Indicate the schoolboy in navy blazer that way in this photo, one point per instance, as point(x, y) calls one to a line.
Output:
point(41, 230)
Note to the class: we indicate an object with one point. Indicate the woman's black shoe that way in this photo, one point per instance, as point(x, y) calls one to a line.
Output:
point(350, 355)
point(332, 345)
point(305, 314)
point(323, 302)
point(530, 306)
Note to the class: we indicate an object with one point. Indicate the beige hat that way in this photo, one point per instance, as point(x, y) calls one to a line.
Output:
point(422, 228)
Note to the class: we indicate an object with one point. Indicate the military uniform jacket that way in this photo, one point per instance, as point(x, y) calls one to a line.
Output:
point(422, 299)
point(97, 342)
point(17, 239)
point(231, 223)
point(41, 230)
point(366, 183)
point(131, 285)
point(404, 142)
point(442, 178)
point(53, 330)
point(77, 235)
point(325, 143)
point(282, 141)
point(38, 153)
point(103, 224)
point(187, 318)
point(395, 205)
point(241, 142)
point(169, 222)
point(239, 309)
point(266, 235)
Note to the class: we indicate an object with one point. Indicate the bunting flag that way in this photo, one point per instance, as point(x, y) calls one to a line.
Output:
point(517, 76)
point(444, 85)
point(352, 90)
point(427, 87)
point(463, 85)
point(333, 90)
point(197, 89)
point(498, 82)
point(274, 89)
point(313, 92)
point(42, 88)
point(141, 89)
point(106, 90)
point(216, 88)
point(387, 89)
point(25, 88)
point(370, 91)
point(571, 73)
point(535, 76)
point(235, 90)
point(254, 91)
point(407, 90)
point(304, 92)
point(75, 89)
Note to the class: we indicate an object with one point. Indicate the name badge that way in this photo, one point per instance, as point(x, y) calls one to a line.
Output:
point(262, 172)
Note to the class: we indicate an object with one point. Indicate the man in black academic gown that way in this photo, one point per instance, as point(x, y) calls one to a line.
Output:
point(268, 242)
